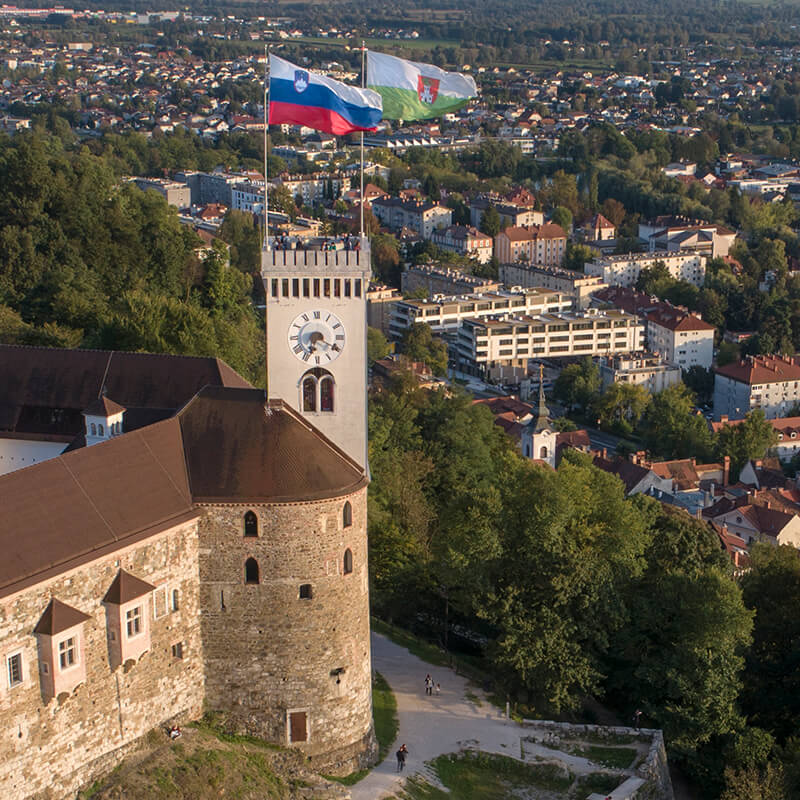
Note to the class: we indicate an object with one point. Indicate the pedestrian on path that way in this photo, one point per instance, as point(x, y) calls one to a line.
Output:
point(438, 688)
point(636, 717)
point(401, 757)
point(428, 684)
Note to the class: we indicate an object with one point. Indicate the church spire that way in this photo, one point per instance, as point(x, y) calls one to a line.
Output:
point(542, 412)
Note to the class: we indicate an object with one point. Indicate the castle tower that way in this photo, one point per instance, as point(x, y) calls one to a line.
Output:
point(317, 338)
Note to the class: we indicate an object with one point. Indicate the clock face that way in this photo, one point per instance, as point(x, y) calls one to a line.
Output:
point(316, 337)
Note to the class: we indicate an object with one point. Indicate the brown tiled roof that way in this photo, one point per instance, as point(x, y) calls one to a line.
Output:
point(126, 587)
point(238, 452)
point(59, 617)
point(91, 501)
point(628, 472)
point(675, 319)
point(762, 369)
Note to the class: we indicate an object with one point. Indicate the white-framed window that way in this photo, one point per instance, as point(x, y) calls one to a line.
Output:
point(160, 602)
point(133, 622)
point(14, 669)
point(67, 653)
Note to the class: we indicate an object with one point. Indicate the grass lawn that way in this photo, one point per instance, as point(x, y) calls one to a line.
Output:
point(617, 757)
point(484, 776)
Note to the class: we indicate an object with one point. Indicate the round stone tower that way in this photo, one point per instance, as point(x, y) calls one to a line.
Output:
point(283, 577)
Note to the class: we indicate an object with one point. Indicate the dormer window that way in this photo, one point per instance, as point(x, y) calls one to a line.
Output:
point(127, 618)
point(60, 638)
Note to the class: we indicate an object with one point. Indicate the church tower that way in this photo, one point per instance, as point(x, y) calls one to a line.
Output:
point(539, 437)
point(317, 337)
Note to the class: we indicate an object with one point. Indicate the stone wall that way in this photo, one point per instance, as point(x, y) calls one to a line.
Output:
point(654, 770)
point(268, 651)
point(50, 748)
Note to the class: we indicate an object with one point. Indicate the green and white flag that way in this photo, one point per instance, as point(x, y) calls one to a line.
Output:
point(410, 90)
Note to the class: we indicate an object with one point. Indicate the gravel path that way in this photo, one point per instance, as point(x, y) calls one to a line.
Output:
point(432, 726)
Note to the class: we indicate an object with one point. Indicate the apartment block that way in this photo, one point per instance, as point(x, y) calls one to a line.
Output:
point(487, 347)
point(422, 217)
point(536, 244)
point(464, 240)
point(639, 369)
point(771, 383)
point(624, 270)
point(445, 314)
point(554, 278)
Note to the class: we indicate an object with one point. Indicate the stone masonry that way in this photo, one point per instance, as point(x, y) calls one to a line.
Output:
point(50, 747)
point(270, 652)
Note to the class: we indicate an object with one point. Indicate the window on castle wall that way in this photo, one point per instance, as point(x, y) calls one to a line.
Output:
point(347, 515)
point(310, 394)
point(94, 429)
point(14, 665)
point(67, 653)
point(175, 603)
point(133, 622)
point(251, 574)
point(348, 561)
point(543, 453)
point(306, 592)
point(177, 650)
point(326, 394)
point(250, 524)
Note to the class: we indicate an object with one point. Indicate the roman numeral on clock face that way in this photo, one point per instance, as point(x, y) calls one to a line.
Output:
point(316, 315)
point(298, 348)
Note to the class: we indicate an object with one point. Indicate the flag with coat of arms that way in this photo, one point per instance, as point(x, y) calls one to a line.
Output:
point(411, 90)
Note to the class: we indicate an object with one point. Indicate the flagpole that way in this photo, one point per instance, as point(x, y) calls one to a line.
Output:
point(266, 135)
point(363, 85)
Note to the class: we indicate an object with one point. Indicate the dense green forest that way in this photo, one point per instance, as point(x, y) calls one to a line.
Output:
point(568, 590)
point(87, 261)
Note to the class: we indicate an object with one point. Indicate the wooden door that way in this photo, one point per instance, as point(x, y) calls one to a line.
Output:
point(298, 730)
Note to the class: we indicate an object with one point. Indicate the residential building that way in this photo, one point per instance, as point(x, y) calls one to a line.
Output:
point(771, 383)
point(676, 335)
point(513, 214)
point(557, 279)
point(380, 299)
point(314, 188)
point(443, 280)
point(422, 217)
point(535, 244)
point(464, 240)
point(624, 270)
point(247, 196)
point(175, 193)
point(639, 369)
point(498, 348)
point(598, 229)
point(755, 517)
point(444, 314)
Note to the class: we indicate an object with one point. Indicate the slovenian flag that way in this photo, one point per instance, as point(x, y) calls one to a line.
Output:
point(300, 97)
point(411, 90)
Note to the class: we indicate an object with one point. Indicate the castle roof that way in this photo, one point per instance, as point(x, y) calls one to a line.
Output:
point(126, 587)
point(225, 446)
point(236, 451)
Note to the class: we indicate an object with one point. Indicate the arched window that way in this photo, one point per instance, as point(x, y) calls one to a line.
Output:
point(250, 524)
point(317, 391)
point(326, 394)
point(100, 430)
point(309, 393)
point(175, 605)
point(251, 571)
point(543, 452)
point(348, 561)
point(94, 429)
point(347, 515)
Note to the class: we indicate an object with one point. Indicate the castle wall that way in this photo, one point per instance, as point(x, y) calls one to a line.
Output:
point(48, 748)
point(270, 653)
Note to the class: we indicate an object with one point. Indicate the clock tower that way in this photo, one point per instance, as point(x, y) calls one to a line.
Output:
point(317, 337)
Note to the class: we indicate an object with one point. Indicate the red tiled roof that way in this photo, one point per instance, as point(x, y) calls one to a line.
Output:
point(762, 369)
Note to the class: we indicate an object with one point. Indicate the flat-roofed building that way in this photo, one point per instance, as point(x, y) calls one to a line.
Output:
point(639, 369)
point(488, 347)
point(445, 314)
point(624, 270)
point(443, 280)
point(557, 279)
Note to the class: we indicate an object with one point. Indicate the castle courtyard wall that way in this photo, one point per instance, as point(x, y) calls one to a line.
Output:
point(49, 747)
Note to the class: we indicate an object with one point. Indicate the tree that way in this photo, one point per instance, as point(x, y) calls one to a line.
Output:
point(672, 429)
point(577, 255)
point(613, 211)
point(377, 345)
point(701, 381)
point(749, 439)
point(621, 406)
point(419, 344)
point(490, 221)
point(577, 384)
point(239, 230)
point(385, 259)
point(771, 695)
point(563, 217)
point(753, 783)
point(655, 280)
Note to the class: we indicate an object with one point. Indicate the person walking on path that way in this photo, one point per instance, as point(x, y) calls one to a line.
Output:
point(438, 688)
point(636, 717)
point(428, 684)
point(401, 757)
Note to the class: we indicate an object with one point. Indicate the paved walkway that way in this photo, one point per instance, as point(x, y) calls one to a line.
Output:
point(432, 726)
